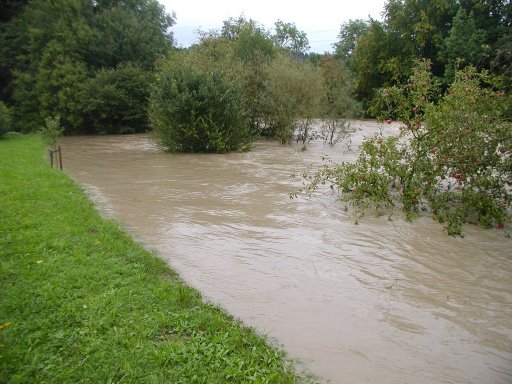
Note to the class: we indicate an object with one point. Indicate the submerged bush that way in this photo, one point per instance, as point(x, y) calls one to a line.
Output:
point(293, 91)
point(452, 159)
point(195, 107)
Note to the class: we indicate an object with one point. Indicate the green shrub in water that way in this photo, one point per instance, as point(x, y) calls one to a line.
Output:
point(195, 107)
point(453, 158)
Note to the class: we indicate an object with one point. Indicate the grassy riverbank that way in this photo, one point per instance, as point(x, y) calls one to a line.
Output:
point(81, 302)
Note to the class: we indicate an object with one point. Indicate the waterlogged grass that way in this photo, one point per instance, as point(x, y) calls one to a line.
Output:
point(80, 302)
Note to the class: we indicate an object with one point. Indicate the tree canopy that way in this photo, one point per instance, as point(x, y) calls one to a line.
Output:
point(450, 34)
point(55, 52)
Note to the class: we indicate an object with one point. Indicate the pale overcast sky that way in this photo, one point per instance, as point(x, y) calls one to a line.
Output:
point(320, 19)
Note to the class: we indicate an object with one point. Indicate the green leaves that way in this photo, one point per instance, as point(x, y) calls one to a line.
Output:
point(464, 45)
point(58, 85)
point(196, 107)
point(289, 37)
point(51, 131)
point(293, 91)
point(450, 34)
point(57, 54)
point(130, 34)
point(116, 100)
point(453, 158)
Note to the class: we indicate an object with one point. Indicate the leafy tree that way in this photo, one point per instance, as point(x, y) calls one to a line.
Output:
point(50, 86)
point(25, 111)
point(367, 58)
point(42, 22)
point(116, 100)
point(232, 27)
point(244, 48)
point(289, 37)
point(494, 20)
point(502, 61)
point(464, 45)
point(382, 54)
point(195, 107)
point(381, 60)
point(492, 16)
point(338, 102)
point(452, 159)
point(253, 44)
point(51, 48)
point(58, 86)
point(350, 33)
point(136, 31)
point(51, 131)
point(214, 47)
point(9, 9)
point(50, 38)
point(309, 95)
point(293, 90)
point(421, 24)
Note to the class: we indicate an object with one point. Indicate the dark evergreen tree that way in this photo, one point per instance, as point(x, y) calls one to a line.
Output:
point(116, 100)
point(464, 45)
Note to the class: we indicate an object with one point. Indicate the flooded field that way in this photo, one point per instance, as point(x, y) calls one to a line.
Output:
point(379, 302)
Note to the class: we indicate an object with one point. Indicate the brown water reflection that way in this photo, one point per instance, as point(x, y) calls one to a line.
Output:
point(380, 302)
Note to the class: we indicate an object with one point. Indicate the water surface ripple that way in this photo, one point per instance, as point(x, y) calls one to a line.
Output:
point(380, 302)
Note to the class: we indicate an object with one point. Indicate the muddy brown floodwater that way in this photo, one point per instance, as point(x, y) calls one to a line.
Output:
point(380, 302)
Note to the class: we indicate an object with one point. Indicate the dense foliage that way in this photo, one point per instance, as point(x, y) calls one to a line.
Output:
point(196, 108)
point(94, 63)
point(448, 33)
point(293, 92)
point(88, 61)
point(51, 131)
point(453, 158)
point(116, 99)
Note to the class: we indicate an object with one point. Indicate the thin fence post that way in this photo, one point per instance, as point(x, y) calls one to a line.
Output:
point(60, 158)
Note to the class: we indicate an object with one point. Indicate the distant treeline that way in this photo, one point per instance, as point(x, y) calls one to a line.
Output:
point(97, 64)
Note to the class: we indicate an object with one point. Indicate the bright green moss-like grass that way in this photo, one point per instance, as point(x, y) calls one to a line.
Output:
point(81, 302)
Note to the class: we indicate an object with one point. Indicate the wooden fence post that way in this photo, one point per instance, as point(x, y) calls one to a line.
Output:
point(60, 158)
point(56, 152)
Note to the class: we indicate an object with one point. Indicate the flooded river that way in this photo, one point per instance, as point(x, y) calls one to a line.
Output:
point(379, 302)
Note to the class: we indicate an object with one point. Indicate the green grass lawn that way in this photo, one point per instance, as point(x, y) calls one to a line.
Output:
point(81, 302)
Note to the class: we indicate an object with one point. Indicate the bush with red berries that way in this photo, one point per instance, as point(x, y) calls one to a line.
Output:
point(453, 157)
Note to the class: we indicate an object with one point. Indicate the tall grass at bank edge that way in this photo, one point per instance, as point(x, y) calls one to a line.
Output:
point(81, 302)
